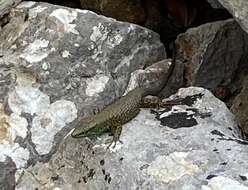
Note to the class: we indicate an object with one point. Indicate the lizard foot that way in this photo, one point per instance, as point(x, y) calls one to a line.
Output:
point(117, 134)
point(114, 141)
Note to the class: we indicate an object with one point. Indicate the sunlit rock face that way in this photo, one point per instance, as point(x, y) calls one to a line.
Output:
point(59, 64)
point(56, 65)
point(193, 145)
point(5, 6)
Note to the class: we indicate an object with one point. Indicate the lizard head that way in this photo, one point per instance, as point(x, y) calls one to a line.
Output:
point(88, 128)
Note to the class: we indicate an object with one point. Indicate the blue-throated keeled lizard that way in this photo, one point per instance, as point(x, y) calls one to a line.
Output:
point(115, 115)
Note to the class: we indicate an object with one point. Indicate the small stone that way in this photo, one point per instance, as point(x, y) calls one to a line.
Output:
point(45, 66)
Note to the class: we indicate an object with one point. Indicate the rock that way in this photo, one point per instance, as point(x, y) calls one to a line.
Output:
point(5, 6)
point(206, 154)
point(223, 183)
point(154, 76)
point(239, 10)
point(215, 4)
point(59, 64)
point(166, 17)
point(213, 56)
point(240, 107)
point(129, 11)
point(7, 174)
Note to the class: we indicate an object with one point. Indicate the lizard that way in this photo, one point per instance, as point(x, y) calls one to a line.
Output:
point(111, 118)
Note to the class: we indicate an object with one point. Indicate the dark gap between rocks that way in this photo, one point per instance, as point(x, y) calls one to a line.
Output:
point(66, 3)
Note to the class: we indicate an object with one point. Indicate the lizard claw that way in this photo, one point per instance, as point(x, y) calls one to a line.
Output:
point(111, 144)
point(117, 133)
point(114, 141)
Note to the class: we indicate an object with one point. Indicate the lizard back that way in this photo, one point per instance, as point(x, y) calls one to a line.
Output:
point(123, 109)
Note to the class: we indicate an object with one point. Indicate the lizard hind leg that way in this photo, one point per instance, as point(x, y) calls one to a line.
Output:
point(116, 130)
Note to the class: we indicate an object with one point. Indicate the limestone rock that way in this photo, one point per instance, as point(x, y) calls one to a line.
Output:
point(5, 6)
point(56, 65)
point(239, 10)
point(223, 183)
point(7, 174)
point(153, 77)
point(206, 153)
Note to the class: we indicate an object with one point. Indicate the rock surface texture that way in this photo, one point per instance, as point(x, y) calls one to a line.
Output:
point(213, 56)
point(215, 4)
point(239, 10)
point(58, 64)
point(240, 107)
point(190, 146)
point(5, 6)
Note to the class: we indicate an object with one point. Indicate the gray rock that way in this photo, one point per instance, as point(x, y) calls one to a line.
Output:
point(240, 107)
point(5, 6)
point(239, 10)
point(208, 154)
point(7, 175)
point(215, 4)
point(213, 56)
point(58, 64)
point(153, 77)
